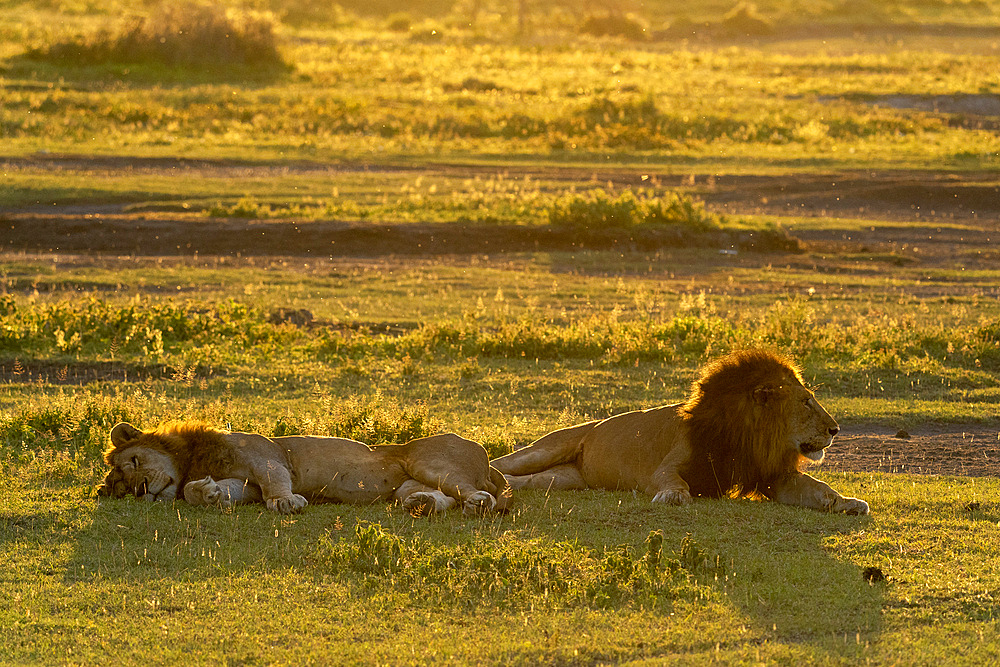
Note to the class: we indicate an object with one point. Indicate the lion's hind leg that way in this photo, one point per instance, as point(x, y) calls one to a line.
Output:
point(223, 493)
point(421, 500)
point(500, 488)
point(478, 502)
point(554, 449)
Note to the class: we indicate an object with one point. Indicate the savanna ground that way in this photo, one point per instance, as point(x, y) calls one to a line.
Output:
point(382, 224)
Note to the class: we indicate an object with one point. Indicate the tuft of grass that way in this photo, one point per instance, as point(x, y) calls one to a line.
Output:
point(186, 34)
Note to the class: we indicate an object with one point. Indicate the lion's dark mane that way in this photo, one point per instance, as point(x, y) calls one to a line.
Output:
point(736, 420)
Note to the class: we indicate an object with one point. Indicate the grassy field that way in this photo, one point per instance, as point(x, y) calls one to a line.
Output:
point(622, 164)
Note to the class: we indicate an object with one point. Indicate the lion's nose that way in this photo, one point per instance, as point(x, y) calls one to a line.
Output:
point(834, 431)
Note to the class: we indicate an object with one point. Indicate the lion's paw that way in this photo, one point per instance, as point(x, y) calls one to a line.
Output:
point(287, 504)
point(851, 506)
point(479, 502)
point(206, 491)
point(421, 503)
point(673, 497)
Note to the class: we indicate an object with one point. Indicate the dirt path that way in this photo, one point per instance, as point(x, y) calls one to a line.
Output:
point(972, 451)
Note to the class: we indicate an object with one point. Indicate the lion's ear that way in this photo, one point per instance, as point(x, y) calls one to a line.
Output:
point(124, 432)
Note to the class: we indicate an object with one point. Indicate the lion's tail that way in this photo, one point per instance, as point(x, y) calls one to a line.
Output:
point(504, 494)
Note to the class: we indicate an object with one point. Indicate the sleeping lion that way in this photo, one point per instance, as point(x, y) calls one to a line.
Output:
point(747, 428)
point(206, 466)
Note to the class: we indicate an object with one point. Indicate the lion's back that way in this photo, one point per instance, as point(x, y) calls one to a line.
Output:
point(623, 451)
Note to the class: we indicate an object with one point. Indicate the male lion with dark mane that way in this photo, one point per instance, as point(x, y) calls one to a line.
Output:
point(747, 429)
point(207, 466)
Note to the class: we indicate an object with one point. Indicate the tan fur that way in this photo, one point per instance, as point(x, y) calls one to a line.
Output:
point(746, 429)
point(206, 466)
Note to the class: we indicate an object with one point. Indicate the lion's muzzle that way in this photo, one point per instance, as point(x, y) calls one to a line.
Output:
point(114, 485)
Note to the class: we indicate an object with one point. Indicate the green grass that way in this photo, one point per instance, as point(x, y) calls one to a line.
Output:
point(565, 576)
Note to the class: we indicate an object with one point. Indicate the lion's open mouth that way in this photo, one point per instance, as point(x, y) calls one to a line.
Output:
point(812, 452)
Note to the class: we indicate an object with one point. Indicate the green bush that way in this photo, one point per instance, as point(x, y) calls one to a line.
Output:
point(596, 209)
point(744, 21)
point(373, 420)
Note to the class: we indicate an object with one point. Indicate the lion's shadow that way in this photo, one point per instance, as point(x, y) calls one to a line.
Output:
point(145, 541)
point(776, 565)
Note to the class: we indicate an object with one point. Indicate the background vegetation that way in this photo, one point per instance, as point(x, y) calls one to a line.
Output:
point(452, 86)
point(590, 106)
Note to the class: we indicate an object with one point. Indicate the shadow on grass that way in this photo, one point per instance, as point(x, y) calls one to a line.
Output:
point(736, 563)
point(327, 238)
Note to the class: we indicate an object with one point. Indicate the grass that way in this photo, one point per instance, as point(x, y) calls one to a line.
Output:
point(189, 35)
point(479, 121)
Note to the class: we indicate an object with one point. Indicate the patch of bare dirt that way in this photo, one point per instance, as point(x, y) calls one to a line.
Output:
point(79, 373)
point(970, 451)
point(162, 235)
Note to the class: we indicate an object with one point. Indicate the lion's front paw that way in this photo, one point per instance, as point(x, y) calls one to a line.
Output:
point(287, 504)
point(421, 503)
point(479, 502)
point(851, 506)
point(206, 491)
point(673, 497)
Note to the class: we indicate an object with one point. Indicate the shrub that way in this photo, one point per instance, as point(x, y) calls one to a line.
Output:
point(399, 22)
point(374, 420)
point(596, 209)
point(613, 25)
point(185, 34)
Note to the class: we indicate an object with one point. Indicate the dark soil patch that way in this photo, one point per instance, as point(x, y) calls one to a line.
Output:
point(943, 200)
point(972, 451)
point(124, 234)
point(81, 373)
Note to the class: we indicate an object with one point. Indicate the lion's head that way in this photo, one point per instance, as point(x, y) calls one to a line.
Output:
point(153, 465)
point(751, 421)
